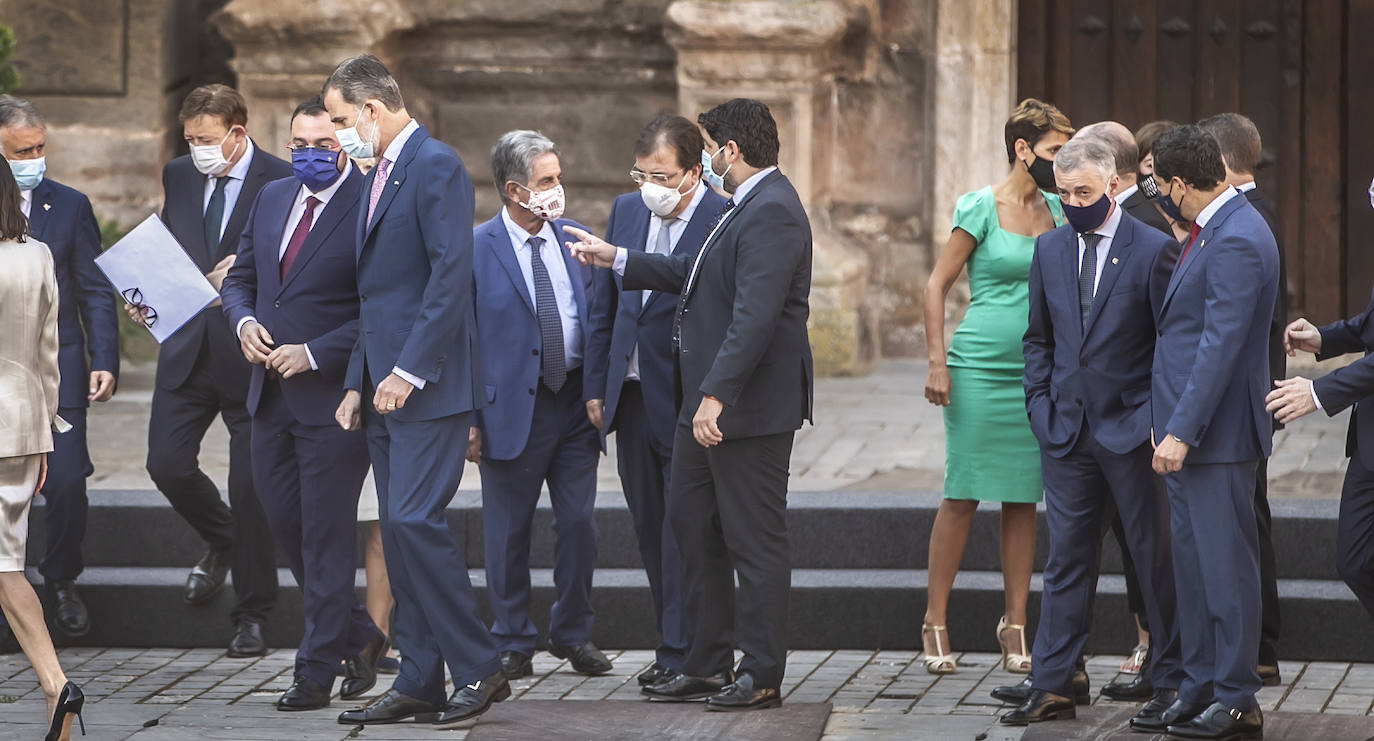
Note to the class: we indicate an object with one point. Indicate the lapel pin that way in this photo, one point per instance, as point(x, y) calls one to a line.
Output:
point(1115, 260)
point(395, 182)
point(47, 207)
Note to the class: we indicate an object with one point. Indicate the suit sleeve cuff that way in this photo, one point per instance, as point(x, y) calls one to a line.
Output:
point(311, 357)
point(621, 256)
point(410, 378)
point(1313, 389)
point(238, 330)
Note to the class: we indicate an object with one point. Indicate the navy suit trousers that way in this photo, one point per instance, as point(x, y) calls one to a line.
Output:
point(563, 449)
point(64, 500)
point(644, 474)
point(1081, 489)
point(308, 479)
point(1216, 569)
point(417, 467)
point(1355, 534)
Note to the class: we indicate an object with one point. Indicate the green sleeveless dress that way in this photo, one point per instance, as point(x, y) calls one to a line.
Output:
point(990, 452)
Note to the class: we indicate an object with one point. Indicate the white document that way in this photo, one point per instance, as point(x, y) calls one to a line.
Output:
point(149, 268)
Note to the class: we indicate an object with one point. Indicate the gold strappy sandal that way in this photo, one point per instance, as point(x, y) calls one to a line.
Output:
point(1014, 662)
point(940, 662)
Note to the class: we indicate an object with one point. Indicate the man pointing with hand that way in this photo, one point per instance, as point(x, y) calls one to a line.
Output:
point(744, 364)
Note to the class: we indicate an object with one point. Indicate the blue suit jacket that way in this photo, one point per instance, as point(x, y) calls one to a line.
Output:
point(1211, 366)
point(508, 327)
point(1101, 374)
point(316, 304)
point(183, 212)
point(622, 320)
point(1353, 384)
point(62, 218)
point(415, 282)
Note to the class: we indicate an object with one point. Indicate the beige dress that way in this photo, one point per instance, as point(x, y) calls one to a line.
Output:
point(28, 385)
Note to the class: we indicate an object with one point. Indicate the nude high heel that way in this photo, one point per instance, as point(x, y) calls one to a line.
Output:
point(1016, 662)
point(940, 662)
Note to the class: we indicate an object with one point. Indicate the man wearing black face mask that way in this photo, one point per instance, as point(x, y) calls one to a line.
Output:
point(292, 299)
point(1088, 351)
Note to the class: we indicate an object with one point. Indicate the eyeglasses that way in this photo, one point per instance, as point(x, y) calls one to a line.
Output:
point(639, 176)
point(135, 299)
point(311, 146)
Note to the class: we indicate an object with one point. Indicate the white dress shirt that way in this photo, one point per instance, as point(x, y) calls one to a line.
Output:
point(1125, 195)
point(392, 153)
point(1107, 231)
point(293, 221)
point(676, 227)
point(1211, 209)
point(1246, 187)
point(26, 202)
point(232, 187)
point(551, 253)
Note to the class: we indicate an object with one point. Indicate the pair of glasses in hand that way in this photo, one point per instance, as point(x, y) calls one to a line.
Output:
point(134, 298)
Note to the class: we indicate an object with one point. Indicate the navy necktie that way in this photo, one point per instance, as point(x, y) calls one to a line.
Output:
point(214, 218)
point(553, 364)
point(1087, 274)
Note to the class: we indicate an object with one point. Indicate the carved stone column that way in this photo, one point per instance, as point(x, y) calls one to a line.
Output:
point(785, 53)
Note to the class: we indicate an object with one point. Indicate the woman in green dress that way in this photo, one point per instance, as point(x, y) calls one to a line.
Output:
point(990, 453)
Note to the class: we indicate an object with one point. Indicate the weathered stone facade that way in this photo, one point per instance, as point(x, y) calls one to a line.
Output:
point(888, 109)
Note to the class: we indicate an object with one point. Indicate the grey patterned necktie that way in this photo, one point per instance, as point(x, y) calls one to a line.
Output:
point(553, 365)
point(1087, 273)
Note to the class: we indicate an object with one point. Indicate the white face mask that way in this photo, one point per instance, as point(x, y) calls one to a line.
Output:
point(660, 198)
point(353, 144)
point(209, 158)
point(546, 204)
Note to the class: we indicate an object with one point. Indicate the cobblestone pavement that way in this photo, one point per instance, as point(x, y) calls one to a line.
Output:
point(155, 694)
point(875, 432)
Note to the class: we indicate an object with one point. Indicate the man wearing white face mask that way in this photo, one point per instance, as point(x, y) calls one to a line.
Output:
point(532, 309)
point(201, 372)
point(629, 361)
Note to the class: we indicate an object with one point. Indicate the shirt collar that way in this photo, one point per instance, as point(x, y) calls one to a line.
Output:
point(519, 237)
point(1125, 195)
point(393, 150)
point(323, 196)
point(1214, 206)
point(240, 169)
point(1108, 228)
point(1246, 187)
point(750, 184)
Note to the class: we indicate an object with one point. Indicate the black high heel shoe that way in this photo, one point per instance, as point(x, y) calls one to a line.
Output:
point(69, 702)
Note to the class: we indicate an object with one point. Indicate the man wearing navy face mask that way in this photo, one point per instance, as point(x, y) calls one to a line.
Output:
point(292, 299)
point(1088, 350)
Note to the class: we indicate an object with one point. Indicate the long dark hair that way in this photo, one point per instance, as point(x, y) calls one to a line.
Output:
point(13, 225)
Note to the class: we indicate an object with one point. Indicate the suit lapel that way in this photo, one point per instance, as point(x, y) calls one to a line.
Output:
point(1196, 250)
point(344, 200)
point(574, 270)
point(728, 221)
point(252, 183)
point(498, 241)
point(1118, 252)
point(40, 202)
point(396, 174)
point(1068, 270)
point(639, 240)
point(270, 259)
point(188, 196)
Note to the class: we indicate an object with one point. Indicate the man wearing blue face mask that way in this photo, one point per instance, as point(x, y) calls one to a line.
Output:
point(292, 299)
point(630, 357)
point(1088, 350)
point(62, 218)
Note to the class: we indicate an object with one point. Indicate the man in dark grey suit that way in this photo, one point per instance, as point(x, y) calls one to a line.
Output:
point(744, 363)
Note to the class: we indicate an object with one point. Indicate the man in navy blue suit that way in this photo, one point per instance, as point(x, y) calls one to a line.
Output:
point(62, 218)
point(413, 382)
point(1211, 374)
point(630, 357)
point(1088, 348)
point(202, 374)
point(292, 298)
point(532, 299)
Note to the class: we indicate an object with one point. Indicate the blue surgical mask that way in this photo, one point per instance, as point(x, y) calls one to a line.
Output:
point(29, 173)
point(352, 142)
point(316, 168)
point(709, 173)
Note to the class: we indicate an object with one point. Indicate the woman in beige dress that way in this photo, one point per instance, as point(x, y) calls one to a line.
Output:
point(28, 418)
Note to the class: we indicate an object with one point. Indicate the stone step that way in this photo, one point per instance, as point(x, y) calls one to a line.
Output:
point(829, 530)
point(830, 609)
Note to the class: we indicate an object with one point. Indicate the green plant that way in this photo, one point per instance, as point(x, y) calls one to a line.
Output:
point(9, 75)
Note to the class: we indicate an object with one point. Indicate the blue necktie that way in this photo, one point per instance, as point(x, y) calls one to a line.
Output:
point(553, 365)
point(1087, 273)
point(214, 218)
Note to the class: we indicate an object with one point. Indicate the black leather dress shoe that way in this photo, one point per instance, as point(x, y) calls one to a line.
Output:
point(1017, 694)
point(248, 641)
point(585, 659)
point(685, 688)
point(744, 694)
point(1139, 688)
point(1269, 675)
point(515, 665)
point(1219, 721)
point(1039, 707)
point(1178, 712)
point(207, 578)
point(470, 701)
point(72, 617)
point(654, 674)
point(1149, 712)
point(391, 707)
point(360, 671)
point(304, 694)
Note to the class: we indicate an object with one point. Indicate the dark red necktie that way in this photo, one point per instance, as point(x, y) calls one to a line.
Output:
point(1192, 237)
point(293, 247)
